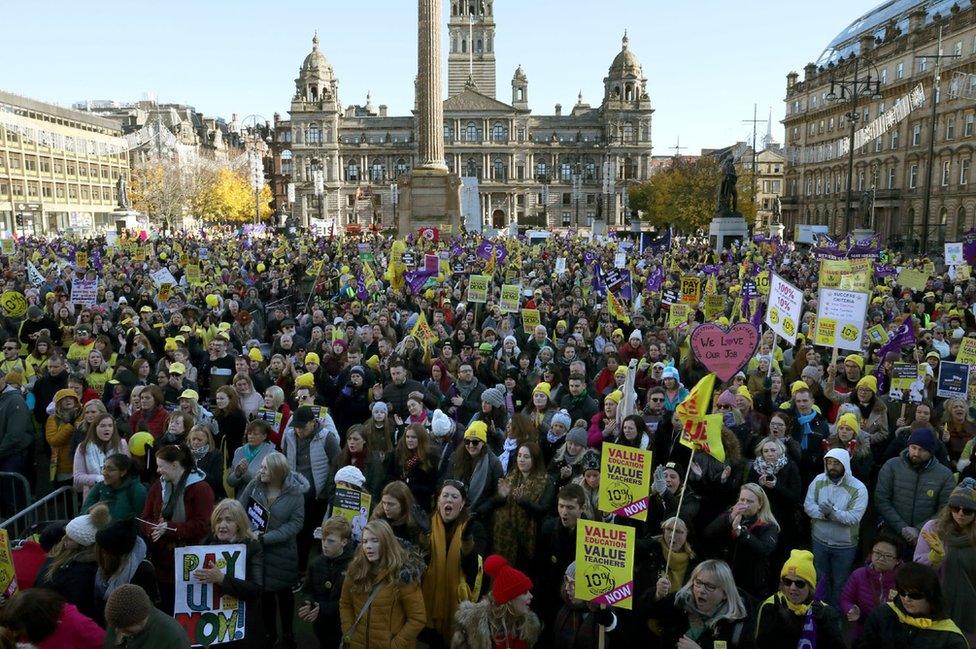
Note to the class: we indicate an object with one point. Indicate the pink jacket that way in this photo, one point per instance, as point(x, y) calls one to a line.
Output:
point(74, 631)
point(866, 588)
point(85, 477)
point(922, 546)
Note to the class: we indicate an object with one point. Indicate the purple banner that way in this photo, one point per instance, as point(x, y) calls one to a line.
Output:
point(655, 280)
point(415, 280)
point(885, 270)
point(903, 337)
point(485, 249)
point(361, 291)
point(969, 247)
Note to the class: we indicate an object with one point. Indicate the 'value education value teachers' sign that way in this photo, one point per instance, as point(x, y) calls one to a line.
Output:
point(605, 563)
point(625, 481)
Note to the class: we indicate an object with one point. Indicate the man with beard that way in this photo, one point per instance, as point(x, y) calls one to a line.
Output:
point(835, 503)
point(913, 487)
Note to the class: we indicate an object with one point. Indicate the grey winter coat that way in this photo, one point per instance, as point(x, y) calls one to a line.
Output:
point(908, 497)
point(16, 429)
point(284, 526)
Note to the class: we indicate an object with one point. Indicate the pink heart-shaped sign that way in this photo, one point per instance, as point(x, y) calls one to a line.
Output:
point(724, 352)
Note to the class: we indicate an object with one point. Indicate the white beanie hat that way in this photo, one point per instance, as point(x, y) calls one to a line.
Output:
point(440, 424)
point(636, 333)
point(350, 475)
point(82, 529)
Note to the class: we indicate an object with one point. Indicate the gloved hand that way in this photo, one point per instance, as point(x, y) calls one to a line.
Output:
point(936, 548)
point(347, 391)
point(658, 485)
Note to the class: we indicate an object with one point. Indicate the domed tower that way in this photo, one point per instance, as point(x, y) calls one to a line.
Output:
point(316, 83)
point(625, 85)
point(520, 89)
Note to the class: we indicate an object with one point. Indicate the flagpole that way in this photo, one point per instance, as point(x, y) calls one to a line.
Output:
point(681, 498)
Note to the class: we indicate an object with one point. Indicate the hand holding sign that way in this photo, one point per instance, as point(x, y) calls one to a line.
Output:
point(724, 352)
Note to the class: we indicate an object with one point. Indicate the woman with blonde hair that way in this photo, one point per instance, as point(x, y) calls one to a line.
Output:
point(381, 605)
point(746, 537)
point(706, 613)
point(229, 524)
point(502, 618)
point(274, 400)
point(101, 440)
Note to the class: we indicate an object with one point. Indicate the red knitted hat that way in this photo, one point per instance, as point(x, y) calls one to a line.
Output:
point(507, 582)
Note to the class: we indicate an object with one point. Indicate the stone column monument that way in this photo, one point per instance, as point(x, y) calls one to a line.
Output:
point(430, 195)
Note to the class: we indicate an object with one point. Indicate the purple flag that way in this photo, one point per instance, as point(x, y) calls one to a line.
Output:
point(416, 279)
point(589, 258)
point(969, 247)
point(599, 287)
point(655, 280)
point(486, 248)
point(903, 337)
point(746, 305)
point(885, 270)
point(757, 316)
point(361, 291)
point(868, 248)
point(711, 269)
point(97, 258)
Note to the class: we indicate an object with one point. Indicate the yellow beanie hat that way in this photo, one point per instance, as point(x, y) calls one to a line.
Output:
point(306, 380)
point(615, 396)
point(743, 392)
point(255, 354)
point(857, 359)
point(313, 358)
point(544, 388)
point(800, 566)
point(850, 420)
point(797, 386)
point(870, 381)
point(620, 371)
point(477, 430)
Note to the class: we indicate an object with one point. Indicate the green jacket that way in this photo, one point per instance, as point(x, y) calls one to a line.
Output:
point(124, 502)
point(161, 632)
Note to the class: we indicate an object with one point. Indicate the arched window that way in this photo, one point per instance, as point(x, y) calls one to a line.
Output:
point(541, 170)
point(454, 45)
point(498, 132)
point(449, 132)
point(943, 225)
point(498, 169)
point(286, 162)
point(589, 169)
point(520, 94)
point(313, 135)
point(376, 170)
point(960, 223)
point(464, 45)
point(471, 134)
point(352, 171)
point(628, 132)
point(488, 43)
point(479, 46)
point(630, 92)
point(471, 168)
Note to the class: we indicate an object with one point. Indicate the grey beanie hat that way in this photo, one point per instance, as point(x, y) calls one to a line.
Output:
point(562, 417)
point(577, 435)
point(493, 397)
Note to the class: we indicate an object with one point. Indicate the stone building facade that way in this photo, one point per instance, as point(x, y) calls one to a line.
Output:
point(890, 44)
point(58, 168)
point(565, 170)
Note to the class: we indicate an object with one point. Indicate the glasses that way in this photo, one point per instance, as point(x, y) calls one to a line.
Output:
point(472, 442)
point(911, 595)
point(657, 400)
point(723, 407)
point(956, 509)
point(8, 348)
point(704, 585)
point(883, 555)
point(796, 583)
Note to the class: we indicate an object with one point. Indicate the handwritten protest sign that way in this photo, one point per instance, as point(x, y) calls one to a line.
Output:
point(967, 351)
point(785, 308)
point(913, 279)
point(953, 254)
point(714, 307)
point(605, 563)
point(84, 291)
point(724, 351)
point(8, 578)
point(840, 318)
point(678, 315)
point(625, 481)
point(208, 615)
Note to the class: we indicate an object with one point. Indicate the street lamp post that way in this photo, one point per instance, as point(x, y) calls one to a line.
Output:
point(544, 180)
point(577, 191)
point(852, 91)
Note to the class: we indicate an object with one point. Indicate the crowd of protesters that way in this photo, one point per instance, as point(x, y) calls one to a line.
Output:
point(224, 368)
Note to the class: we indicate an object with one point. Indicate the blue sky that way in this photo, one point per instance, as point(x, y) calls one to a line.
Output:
point(707, 61)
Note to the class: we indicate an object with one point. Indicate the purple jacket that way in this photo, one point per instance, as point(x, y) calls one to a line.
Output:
point(866, 588)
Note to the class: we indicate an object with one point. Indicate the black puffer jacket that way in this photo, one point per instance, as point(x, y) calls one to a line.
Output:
point(884, 629)
point(747, 553)
point(777, 627)
point(324, 586)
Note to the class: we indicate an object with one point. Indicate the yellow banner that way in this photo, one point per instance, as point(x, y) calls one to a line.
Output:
point(193, 274)
point(691, 287)
point(530, 320)
point(762, 282)
point(913, 279)
point(605, 564)
point(353, 505)
point(849, 274)
point(714, 307)
point(8, 578)
point(625, 481)
point(967, 351)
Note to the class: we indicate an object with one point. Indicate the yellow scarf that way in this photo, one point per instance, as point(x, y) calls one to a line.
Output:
point(440, 585)
point(924, 622)
point(677, 568)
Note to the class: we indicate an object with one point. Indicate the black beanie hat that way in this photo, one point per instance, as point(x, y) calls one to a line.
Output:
point(118, 538)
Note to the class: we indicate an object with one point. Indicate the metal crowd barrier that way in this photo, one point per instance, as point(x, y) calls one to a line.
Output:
point(59, 505)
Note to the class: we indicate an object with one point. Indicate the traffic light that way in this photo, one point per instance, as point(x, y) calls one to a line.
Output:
point(20, 219)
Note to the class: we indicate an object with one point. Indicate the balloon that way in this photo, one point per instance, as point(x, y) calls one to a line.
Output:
point(139, 442)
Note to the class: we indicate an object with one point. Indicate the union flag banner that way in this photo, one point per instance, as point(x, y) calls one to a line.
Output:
point(616, 309)
point(705, 435)
point(423, 333)
point(696, 404)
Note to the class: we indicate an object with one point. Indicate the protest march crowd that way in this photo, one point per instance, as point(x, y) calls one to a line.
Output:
point(489, 443)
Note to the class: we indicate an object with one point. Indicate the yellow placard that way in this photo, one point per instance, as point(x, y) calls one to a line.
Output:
point(762, 282)
point(139, 254)
point(8, 578)
point(714, 307)
point(691, 287)
point(314, 270)
point(967, 351)
point(963, 273)
point(605, 563)
point(81, 259)
point(678, 315)
point(509, 302)
point(193, 274)
point(849, 274)
point(530, 320)
point(878, 335)
point(478, 288)
point(7, 246)
point(625, 481)
point(184, 259)
point(826, 332)
point(912, 279)
point(165, 291)
point(14, 304)
point(353, 505)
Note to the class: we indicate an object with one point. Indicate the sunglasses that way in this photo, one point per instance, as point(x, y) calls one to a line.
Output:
point(956, 509)
point(472, 442)
point(796, 583)
point(911, 595)
point(723, 407)
point(658, 400)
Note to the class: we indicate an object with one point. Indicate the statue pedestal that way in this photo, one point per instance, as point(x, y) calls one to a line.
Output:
point(726, 229)
point(429, 198)
point(860, 234)
point(129, 219)
point(777, 230)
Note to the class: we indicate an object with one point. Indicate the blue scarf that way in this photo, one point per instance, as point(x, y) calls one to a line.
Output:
point(250, 452)
point(804, 420)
